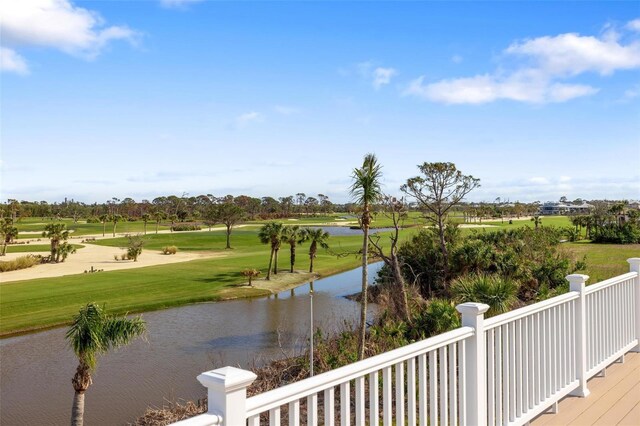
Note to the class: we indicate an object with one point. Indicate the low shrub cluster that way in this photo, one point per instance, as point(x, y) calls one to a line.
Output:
point(22, 262)
point(185, 227)
point(169, 250)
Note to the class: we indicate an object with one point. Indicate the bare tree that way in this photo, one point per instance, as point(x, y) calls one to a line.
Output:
point(396, 210)
point(440, 187)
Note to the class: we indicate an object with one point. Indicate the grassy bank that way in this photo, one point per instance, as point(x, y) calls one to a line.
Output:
point(39, 303)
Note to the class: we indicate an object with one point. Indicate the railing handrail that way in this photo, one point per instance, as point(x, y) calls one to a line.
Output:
point(525, 311)
point(608, 283)
point(294, 391)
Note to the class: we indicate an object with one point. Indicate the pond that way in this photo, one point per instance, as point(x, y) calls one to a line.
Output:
point(36, 369)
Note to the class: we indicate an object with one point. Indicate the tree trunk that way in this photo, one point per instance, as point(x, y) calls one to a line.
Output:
point(114, 229)
point(145, 228)
point(228, 236)
point(104, 228)
point(77, 411)
point(293, 256)
point(445, 254)
point(363, 294)
point(311, 256)
point(403, 303)
point(157, 223)
point(275, 262)
point(4, 248)
point(270, 262)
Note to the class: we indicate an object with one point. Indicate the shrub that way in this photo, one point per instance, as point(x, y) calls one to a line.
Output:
point(185, 227)
point(497, 292)
point(169, 250)
point(22, 262)
point(439, 317)
point(250, 273)
point(134, 246)
point(124, 256)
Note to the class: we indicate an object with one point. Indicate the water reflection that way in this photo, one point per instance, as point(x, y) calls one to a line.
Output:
point(36, 369)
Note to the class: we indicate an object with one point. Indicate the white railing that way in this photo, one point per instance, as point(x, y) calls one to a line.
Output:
point(505, 370)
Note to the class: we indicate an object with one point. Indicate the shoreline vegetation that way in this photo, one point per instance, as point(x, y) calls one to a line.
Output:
point(39, 304)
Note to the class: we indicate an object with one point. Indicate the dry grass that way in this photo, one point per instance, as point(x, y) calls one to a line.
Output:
point(22, 262)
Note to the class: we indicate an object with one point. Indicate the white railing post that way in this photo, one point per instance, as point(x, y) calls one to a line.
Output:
point(227, 393)
point(577, 283)
point(634, 264)
point(476, 363)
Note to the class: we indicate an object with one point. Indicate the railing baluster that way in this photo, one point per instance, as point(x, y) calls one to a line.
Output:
point(360, 401)
point(453, 390)
point(329, 406)
point(274, 417)
point(531, 373)
point(518, 377)
point(498, 374)
point(462, 389)
point(512, 373)
point(374, 399)
point(399, 370)
point(433, 387)
point(422, 389)
point(254, 421)
point(491, 378)
point(312, 410)
point(387, 399)
point(411, 392)
point(505, 374)
point(444, 412)
point(345, 404)
point(294, 413)
point(525, 365)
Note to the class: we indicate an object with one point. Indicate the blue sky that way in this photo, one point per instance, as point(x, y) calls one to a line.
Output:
point(147, 98)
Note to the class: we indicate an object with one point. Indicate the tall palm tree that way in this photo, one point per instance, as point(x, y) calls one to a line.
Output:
point(104, 218)
point(145, 218)
point(158, 216)
point(271, 233)
point(293, 236)
point(8, 233)
point(318, 237)
point(173, 218)
point(94, 333)
point(365, 190)
point(115, 218)
point(56, 232)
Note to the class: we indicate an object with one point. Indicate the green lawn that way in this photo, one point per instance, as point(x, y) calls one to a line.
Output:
point(39, 303)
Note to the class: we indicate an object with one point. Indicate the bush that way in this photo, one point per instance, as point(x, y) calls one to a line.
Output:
point(439, 317)
point(627, 233)
point(497, 292)
point(185, 227)
point(169, 250)
point(22, 262)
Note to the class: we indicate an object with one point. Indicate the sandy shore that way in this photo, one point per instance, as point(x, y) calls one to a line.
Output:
point(100, 257)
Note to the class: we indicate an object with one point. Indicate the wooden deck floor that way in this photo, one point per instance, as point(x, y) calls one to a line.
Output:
point(614, 399)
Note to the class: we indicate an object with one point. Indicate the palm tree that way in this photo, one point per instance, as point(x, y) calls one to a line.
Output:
point(173, 218)
point(64, 250)
point(94, 333)
point(318, 237)
point(8, 233)
point(537, 221)
point(293, 236)
point(271, 233)
point(158, 216)
point(145, 218)
point(56, 232)
point(115, 218)
point(104, 218)
point(365, 191)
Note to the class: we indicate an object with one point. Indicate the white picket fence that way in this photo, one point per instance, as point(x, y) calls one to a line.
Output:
point(504, 370)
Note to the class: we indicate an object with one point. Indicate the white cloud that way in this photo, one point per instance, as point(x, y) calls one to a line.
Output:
point(633, 25)
point(539, 180)
point(378, 76)
point(548, 62)
point(286, 110)
point(456, 59)
point(564, 178)
point(572, 54)
point(10, 61)
point(60, 25)
point(522, 87)
point(248, 118)
point(382, 76)
point(177, 3)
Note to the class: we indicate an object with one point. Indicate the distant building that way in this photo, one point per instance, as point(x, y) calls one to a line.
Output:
point(556, 209)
